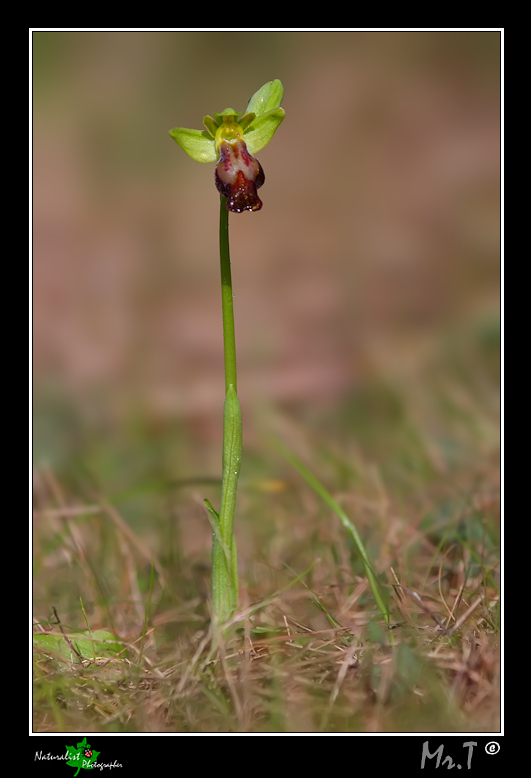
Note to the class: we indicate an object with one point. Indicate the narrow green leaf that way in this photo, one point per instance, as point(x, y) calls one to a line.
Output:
point(213, 517)
point(224, 558)
point(345, 521)
point(99, 643)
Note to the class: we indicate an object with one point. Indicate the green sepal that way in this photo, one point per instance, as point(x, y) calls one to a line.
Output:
point(268, 97)
point(227, 112)
point(197, 143)
point(260, 132)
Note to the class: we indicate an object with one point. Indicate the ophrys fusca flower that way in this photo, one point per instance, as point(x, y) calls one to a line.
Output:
point(231, 139)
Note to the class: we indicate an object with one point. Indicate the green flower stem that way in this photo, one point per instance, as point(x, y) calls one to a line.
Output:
point(224, 560)
point(229, 341)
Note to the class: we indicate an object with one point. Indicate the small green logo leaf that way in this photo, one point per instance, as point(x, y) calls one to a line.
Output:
point(82, 756)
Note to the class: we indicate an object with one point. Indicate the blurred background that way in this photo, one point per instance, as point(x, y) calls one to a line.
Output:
point(376, 249)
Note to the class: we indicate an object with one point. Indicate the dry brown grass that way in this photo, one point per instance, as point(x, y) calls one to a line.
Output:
point(308, 650)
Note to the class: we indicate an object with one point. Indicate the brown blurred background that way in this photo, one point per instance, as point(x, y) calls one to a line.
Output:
point(379, 231)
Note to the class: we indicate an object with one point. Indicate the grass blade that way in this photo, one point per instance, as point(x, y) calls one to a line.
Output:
point(317, 486)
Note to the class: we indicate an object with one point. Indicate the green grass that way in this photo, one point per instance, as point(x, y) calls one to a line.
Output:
point(120, 527)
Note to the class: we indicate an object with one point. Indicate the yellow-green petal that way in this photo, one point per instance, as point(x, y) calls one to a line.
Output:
point(210, 125)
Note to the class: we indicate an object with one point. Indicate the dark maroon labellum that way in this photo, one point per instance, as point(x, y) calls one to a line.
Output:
point(238, 176)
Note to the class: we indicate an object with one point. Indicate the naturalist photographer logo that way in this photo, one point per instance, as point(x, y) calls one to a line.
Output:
point(82, 757)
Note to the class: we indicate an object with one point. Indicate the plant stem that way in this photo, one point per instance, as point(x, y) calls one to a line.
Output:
point(224, 561)
point(229, 342)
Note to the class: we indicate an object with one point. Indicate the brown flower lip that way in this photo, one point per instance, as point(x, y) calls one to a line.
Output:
point(238, 176)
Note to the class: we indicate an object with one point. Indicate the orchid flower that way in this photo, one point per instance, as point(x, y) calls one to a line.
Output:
point(231, 139)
